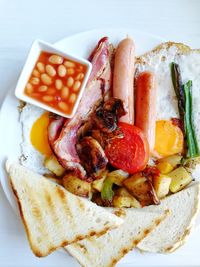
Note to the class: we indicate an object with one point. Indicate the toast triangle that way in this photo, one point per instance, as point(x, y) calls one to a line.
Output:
point(52, 216)
point(108, 249)
point(173, 232)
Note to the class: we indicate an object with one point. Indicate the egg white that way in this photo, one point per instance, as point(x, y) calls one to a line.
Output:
point(30, 157)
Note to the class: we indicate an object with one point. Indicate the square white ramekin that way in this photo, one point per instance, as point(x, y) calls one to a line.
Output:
point(38, 47)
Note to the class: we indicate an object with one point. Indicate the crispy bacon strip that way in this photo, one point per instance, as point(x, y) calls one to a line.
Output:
point(63, 141)
point(98, 57)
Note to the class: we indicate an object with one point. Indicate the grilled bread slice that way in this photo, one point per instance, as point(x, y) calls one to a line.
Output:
point(173, 232)
point(52, 216)
point(108, 249)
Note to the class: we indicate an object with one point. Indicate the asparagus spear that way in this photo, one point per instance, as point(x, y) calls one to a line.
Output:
point(184, 96)
point(193, 149)
point(178, 87)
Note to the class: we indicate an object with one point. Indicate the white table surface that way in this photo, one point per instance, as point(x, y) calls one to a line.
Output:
point(21, 21)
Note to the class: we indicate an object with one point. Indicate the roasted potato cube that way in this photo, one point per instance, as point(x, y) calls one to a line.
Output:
point(164, 167)
point(76, 186)
point(122, 192)
point(121, 202)
point(54, 166)
point(142, 189)
point(117, 176)
point(172, 160)
point(180, 179)
point(96, 198)
point(98, 184)
point(161, 185)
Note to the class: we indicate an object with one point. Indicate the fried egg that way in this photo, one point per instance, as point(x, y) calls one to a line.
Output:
point(168, 137)
point(34, 147)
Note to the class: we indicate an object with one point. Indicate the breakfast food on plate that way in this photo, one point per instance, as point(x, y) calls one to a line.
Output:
point(63, 133)
point(133, 145)
point(175, 229)
point(34, 146)
point(56, 81)
point(146, 92)
point(108, 249)
point(123, 77)
point(52, 216)
point(179, 210)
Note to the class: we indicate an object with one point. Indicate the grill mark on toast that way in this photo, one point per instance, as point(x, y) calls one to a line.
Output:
point(140, 237)
point(136, 242)
point(61, 192)
point(80, 204)
point(40, 221)
point(120, 213)
point(36, 251)
point(52, 207)
point(64, 199)
point(66, 206)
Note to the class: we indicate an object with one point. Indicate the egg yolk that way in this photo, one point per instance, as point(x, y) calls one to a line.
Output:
point(38, 135)
point(168, 139)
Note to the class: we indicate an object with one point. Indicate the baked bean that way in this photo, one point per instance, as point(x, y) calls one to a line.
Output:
point(56, 81)
point(62, 105)
point(50, 70)
point(35, 95)
point(80, 76)
point(47, 98)
point(42, 88)
point(80, 68)
point(40, 67)
point(65, 92)
point(51, 91)
point(70, 82)
point(72, 98)
point(69, 64)
point(76, 86)
point(70, 71)
point(36, 73)
point(35, 80)
point(62, 71)
point(58, 84)
point(29, 88)
point(46, 79)
point(55, 59)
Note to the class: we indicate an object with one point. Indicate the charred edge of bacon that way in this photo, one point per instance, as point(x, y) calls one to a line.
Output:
point(98, 58)
point(98, 46)
point(92, 156)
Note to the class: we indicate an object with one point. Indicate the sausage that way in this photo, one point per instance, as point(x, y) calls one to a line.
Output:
point(123, 77)
point(146, 91)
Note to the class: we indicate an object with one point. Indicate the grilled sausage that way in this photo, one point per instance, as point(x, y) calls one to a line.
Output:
point(123, 78)
point(145, 119)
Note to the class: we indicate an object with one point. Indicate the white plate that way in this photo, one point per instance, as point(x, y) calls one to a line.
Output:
point(10, 134)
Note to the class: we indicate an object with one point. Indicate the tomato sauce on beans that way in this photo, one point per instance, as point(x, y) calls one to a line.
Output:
point(56, 81)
